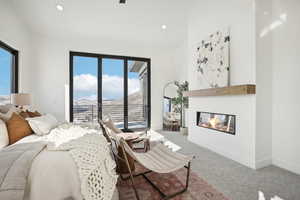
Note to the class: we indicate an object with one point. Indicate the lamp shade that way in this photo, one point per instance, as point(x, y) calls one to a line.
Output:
point(20, 99)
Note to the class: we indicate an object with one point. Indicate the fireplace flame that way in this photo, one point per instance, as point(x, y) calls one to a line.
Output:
point(214, 122)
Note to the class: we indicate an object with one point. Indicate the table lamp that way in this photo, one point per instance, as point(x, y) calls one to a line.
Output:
point(20, 99)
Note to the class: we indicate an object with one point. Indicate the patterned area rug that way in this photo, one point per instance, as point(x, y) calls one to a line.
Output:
point(198, 189)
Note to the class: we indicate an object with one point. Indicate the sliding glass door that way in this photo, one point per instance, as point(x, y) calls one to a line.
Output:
point(8, 72)
point(113, 90)
point(137, 94)
point(117, 86)
point(85, 89)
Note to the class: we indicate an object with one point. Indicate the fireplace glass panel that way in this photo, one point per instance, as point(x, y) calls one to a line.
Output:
point(217, 121)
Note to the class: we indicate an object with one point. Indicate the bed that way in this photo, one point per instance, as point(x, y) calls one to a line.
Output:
point(71, 162)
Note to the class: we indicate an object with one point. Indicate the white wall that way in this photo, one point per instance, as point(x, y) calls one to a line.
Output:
point(286, 95)
point(263, 144)
point(205, 18)
point(52, 69)
point(265, 51)
point(14, 33)
point(180, 61)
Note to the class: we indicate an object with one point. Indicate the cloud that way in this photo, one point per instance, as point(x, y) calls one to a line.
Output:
point(133, 85)
point(112, 86)
point(85, 83)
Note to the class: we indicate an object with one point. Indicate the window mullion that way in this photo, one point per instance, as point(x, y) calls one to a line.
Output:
point(99, 88)
point(125, 94)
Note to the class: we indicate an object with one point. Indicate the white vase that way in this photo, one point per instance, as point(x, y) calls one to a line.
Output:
point(184, 130)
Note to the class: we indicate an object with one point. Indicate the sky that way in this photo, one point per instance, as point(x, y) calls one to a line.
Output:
point(5, 72)
point(85, 79)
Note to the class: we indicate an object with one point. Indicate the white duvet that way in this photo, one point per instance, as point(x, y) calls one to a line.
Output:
point(54, 174)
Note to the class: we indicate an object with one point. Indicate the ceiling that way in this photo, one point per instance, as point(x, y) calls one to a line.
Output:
point(135, 21)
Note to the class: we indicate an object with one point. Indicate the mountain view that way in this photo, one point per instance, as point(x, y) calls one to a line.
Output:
point(4, 99)
point(85, 110)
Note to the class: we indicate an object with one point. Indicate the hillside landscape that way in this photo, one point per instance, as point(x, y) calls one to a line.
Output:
point(86, 109)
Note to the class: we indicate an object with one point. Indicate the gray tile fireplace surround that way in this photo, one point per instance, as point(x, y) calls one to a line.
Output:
point(234, 180)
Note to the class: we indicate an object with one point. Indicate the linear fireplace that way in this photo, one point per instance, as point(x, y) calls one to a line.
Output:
point(217, 121)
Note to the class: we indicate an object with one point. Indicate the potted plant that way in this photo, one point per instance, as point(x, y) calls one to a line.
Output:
point(181, 103)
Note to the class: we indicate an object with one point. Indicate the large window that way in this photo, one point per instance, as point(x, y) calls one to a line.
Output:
point(118, 86)
point(8, 72)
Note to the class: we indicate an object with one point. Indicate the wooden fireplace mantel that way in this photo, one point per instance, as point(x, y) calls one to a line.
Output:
point(231, 90)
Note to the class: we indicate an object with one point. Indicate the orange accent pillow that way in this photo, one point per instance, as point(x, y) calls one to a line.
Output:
point(33, 114)
point(17, 128)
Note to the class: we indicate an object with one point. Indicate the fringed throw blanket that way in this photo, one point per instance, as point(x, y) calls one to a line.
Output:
point(91, 153)
point(15, 163)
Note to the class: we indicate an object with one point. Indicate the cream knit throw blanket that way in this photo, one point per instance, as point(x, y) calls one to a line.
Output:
point(91, 153)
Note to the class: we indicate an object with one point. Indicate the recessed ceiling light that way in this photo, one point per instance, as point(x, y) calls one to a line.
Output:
point(59, 7)
point(164, 27)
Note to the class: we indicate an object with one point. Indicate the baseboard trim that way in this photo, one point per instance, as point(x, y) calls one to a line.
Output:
point(263, 163)
point(235, 157)
point(292, 167)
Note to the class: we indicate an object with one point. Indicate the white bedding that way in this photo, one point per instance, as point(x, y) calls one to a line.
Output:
point(53, 175)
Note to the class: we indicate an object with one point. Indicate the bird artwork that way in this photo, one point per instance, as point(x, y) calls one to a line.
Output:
point(213, 59)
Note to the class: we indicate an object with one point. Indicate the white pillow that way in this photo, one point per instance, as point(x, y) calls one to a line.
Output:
point(4, 140)
point(42, 125)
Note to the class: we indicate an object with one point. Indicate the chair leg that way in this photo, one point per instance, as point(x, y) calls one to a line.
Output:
point(125, 178)
point(186, 184)
point(130, 172)
point(135, 190)
point(164, 196)
point(188, 176)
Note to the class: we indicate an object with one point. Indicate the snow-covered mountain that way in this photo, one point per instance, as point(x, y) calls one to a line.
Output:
point(135, 98)
point(4, 100)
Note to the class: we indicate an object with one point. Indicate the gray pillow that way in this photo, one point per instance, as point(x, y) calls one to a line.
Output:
point(6, 116)
point(5, 108)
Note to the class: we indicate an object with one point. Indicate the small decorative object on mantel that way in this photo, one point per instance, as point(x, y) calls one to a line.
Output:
point(213, 60)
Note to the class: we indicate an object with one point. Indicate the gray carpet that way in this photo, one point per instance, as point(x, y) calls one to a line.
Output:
point(236, 181)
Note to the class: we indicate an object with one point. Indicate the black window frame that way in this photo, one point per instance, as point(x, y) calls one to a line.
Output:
point(14, 68)
point(100, 57)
